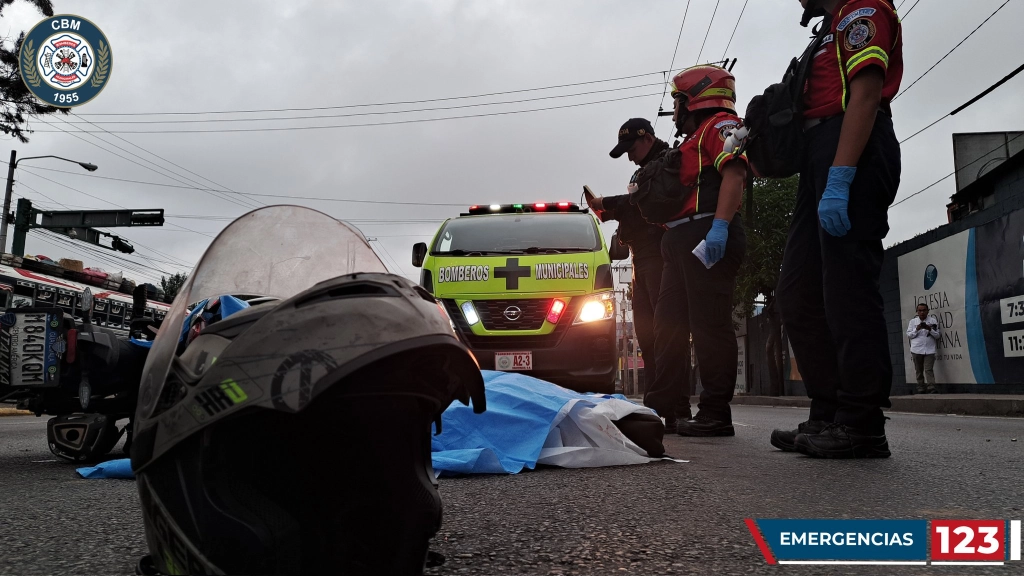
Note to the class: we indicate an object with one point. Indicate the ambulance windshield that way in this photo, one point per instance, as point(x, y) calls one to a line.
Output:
point(518, 234)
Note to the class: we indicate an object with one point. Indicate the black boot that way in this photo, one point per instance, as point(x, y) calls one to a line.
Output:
point(703, 426)
point(841, 441)
point(784, 439)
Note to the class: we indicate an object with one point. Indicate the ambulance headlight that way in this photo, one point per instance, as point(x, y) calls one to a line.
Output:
point(469, 311)
point(599, 307)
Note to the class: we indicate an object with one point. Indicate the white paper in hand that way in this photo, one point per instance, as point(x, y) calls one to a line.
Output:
point(701, 252)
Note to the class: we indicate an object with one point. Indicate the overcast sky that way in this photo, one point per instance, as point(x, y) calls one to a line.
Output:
point(192, 56)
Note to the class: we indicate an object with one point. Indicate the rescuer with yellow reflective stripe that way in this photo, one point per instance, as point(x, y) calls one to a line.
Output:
point(703, 248)
point(828, 290)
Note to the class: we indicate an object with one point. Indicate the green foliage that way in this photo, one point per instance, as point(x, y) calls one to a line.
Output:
point(16, 102)
point(773, 201)
point(171, 285)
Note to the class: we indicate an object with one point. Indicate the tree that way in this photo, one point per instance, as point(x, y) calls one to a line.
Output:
point(769, 213)
point(171, 285)
point(16, 102)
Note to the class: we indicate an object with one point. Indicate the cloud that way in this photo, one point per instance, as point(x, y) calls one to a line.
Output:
point(190, 55)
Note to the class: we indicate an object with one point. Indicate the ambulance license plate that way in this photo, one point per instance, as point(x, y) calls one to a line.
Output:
point(506, 361)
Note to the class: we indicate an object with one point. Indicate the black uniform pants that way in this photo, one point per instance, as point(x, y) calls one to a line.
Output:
point(647, 269)
point(828, 290)
point(696, 300)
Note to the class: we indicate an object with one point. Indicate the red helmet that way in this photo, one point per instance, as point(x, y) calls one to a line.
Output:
point(705, 87)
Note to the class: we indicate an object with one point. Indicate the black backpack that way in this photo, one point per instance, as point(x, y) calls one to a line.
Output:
point(659, 194)
point(775, 119)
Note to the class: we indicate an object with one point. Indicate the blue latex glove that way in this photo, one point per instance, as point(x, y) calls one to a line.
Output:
point(716, 239)
point(832, 208)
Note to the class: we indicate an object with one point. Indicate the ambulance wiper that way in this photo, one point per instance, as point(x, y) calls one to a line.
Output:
point(539, 250)
point(461, 252)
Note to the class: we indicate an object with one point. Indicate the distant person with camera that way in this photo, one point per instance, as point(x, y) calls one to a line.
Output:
point(924, 332)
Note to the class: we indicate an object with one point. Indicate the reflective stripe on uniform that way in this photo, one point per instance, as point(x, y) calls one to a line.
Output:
point(726, 157)
point(839, 61)
point(867, 54)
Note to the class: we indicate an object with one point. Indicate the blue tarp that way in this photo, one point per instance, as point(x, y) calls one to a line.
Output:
point(110, 469)
point(509, 436)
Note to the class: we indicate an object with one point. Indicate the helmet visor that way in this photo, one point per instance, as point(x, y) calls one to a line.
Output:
point(276, 251)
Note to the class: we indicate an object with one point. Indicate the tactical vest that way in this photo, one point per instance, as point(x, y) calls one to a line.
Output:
point(662, 197)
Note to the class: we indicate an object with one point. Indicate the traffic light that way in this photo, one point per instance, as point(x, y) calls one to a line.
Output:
point(121, 245)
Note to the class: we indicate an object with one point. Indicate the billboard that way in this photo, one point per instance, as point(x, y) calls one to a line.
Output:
point(973, 282)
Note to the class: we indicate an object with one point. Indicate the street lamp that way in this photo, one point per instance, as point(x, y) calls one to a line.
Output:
point(10, 188)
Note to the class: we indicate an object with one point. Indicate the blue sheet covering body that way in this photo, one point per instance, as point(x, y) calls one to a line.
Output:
point(510, 434)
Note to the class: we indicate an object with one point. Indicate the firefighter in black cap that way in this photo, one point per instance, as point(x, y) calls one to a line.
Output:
point(638, 142)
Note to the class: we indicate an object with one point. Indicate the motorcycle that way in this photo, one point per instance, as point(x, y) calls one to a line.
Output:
point(84, 375)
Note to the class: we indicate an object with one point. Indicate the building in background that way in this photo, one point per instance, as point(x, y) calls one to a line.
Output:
point(970, 273)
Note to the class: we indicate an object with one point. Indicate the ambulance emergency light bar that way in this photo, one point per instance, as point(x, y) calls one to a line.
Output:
point(477, 209)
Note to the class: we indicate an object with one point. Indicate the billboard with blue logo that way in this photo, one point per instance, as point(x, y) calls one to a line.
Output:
point(973, 282)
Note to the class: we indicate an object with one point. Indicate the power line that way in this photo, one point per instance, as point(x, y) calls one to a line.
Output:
point(969, 102)
point(179, 262)
point(246, 193)
point(394, 103)
point(90, 142)
point(178, 177)
point(356, 114)
point(708, 32)
point(169, 162)
point(744, 9)
point(947, 176)
point(101, 199)
point(133, 242)
point(671, 65)
point(94, 253)
point(925, 128)
point(911, 9)
point(414, 121)
point(398, 267)
point(904, 91)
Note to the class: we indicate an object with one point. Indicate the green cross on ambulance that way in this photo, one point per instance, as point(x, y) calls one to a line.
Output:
point(529, 289)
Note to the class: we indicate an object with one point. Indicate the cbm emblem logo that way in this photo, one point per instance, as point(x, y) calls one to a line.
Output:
point(65, 61)
point(931, 274)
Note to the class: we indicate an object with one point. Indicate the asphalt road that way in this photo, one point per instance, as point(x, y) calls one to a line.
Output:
point(662, 518)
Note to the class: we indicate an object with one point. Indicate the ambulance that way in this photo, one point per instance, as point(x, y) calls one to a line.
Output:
point(529, 289)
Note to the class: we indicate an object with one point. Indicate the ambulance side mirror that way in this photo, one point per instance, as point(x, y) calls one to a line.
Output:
point(419, 252)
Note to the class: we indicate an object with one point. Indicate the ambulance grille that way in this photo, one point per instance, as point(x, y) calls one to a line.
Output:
point(511, 342)
point(525, 314)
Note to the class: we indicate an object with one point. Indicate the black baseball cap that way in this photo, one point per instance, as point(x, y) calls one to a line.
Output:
point(633, 128)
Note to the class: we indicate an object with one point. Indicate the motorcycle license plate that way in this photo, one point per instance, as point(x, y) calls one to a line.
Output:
point(31, 347)
point(506, 361)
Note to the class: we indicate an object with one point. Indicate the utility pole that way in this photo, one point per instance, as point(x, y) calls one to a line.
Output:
point(7, 200)
point(10, 188)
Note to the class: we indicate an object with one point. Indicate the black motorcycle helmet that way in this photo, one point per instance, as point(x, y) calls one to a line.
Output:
point(293, 436)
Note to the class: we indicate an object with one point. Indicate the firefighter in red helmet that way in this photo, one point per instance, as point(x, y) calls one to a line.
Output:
point(703, 247)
